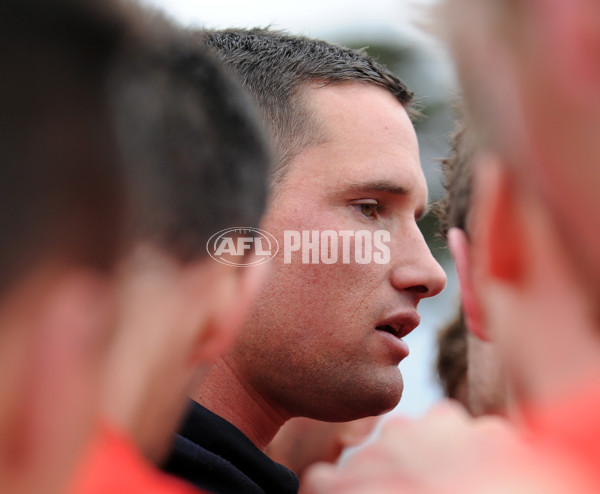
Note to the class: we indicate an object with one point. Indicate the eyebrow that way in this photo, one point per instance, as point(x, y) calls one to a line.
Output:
point(382, 186)
point(388, 187)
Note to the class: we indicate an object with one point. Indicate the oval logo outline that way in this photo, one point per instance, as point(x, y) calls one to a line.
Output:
point(271, 240)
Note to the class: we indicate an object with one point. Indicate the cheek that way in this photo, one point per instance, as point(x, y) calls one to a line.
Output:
point(300, 298)
point(310, 293)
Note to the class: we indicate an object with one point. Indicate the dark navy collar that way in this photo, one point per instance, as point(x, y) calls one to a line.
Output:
point(216, 456)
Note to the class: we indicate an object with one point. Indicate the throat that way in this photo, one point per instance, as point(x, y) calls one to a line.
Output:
point(240, 405)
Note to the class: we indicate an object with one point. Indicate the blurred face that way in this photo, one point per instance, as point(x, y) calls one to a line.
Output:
point(325, 339)
point(194, 309)
point(532, 71)
point(540, 105)
point(147, 399)
point(54, 324)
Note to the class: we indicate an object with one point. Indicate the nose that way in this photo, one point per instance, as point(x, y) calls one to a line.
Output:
point(414, 268)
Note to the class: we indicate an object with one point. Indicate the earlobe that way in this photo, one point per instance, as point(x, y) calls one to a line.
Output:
point(461, 252)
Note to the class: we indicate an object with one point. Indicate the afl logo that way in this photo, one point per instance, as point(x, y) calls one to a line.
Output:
point(231, 245)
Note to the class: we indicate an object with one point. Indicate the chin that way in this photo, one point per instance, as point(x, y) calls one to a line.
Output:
point(390, 401)
point(388, 394)
point(380, 398)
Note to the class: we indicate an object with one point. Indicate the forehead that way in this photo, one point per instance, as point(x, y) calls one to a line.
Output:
point(365, 134)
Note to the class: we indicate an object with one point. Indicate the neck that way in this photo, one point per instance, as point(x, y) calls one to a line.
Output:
point(241, 405)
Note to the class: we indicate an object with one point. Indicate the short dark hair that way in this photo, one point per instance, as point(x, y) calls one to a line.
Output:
point(59, 176)
point(194, 152)
point(275, 66)
point(453, 209)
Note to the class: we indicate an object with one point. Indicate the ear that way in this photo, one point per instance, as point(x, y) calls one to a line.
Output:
point(228, 295)
point(498, 223)
point(461, 252)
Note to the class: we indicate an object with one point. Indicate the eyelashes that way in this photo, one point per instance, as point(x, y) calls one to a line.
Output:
point(370, 209)
point(373, 209)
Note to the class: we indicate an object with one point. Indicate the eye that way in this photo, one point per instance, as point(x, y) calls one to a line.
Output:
point(370, 209)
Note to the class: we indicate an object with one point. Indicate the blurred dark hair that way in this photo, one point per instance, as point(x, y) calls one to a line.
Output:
point(274, 67)
point(451, 363)
point(59, 179)
point(194, 153)
point(453, 209)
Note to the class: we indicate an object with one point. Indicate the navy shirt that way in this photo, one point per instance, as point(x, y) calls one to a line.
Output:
point(215, 456)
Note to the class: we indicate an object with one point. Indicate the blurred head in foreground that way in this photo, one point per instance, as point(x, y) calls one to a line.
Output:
point(535, 227)
point(196, 163)
point(108, 128)
point(61, 205)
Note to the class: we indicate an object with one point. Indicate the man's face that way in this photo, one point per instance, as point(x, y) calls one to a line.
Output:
point(323, 340)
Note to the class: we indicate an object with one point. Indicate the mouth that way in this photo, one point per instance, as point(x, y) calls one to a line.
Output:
point(399, 325)
point(389, 329)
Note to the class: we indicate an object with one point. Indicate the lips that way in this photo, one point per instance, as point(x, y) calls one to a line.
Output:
point(400, 324)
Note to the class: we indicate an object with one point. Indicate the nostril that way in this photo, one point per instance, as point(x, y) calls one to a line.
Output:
point(419, 289)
